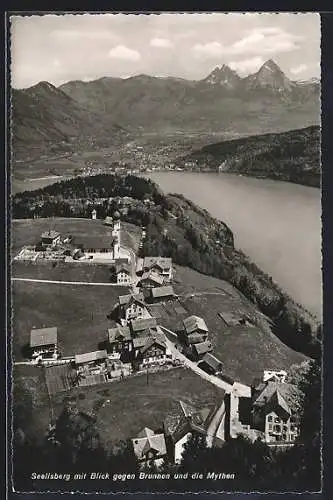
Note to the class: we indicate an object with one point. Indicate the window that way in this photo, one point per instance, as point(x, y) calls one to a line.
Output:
point(269, 418)
point(277, 428)
point(276, 419)
point(270, 427)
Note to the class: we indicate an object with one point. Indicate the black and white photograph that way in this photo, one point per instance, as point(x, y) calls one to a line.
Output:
point(165, 252)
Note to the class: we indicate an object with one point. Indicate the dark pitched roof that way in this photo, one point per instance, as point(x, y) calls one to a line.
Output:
point(162, 291)
point(154, 277)
point(203, 347)
point(212, 361)
point(119, 333)
point(152, 341)
point(123, 267)
point(193, 323)
point(143, 324)
point(90, 356)
point(43, 336)
point(91, 241)
point(274, 393)
point(163, 263)
point(185, 418)
point(196, 338)
point(126, 299)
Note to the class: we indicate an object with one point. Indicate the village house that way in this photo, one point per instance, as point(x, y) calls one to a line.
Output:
point(150, 279)
point(43, 343)
point(119, 340)
point(150, 350)
point(210, 364)
point(93, 359)
point(160, 265)
point(143, 327)
point(94, 244)
point(161, 294)
point(195, 324)
point(272, 412)
point(149, 448)
point(50, 239)
point(183, 422)
point(131, 307)
point(123, 273)
point(200, 349)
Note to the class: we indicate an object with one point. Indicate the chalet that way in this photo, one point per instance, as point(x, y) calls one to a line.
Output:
point(210, 364)
point(123, 273)
point(160, 265)
point(119, 340)
point(94, 244)
point(199, 350)
point(149, 448)
point(272, 412)
point(143, 327)
point(132, 306)
point(183, 422)
point(43, 342)
point(150, 279)
point(50, 239)
point(195, 324)
point(150, 350)
point(195, 338)
point(94, 358)
point(161, 294)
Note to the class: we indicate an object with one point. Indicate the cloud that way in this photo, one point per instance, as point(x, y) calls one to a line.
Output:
point(72, 34)
point(161, 43)
point(301, 68)
point(210, 49)
point(123, 52)
point(268, 40)
point(247, 66)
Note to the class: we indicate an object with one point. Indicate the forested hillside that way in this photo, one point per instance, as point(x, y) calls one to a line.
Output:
point(292, 156)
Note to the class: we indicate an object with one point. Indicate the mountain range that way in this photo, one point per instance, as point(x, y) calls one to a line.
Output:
point(99, 111)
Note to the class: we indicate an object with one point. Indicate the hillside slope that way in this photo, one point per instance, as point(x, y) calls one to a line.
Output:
point(46, 119)
point(178, 228)
point(292, 156)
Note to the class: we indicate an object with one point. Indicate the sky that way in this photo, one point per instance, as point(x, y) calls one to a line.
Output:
point(60, 48)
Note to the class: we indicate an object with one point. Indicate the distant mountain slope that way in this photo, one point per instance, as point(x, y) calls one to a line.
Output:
point(223, 102)
point(291, 156)
point(44, 117)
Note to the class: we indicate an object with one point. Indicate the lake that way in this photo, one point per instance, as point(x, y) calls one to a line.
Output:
point(277, 224)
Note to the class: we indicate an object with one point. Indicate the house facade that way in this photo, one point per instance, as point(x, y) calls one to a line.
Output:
point(132, 307)
point(43, 343)
point(119, 340)
point(150, 279)
point(160, 265)
point(195, 324)
point(123, 273)
point(50, 239)
point(272, 412)
point(150, 350)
